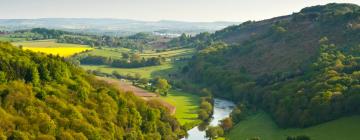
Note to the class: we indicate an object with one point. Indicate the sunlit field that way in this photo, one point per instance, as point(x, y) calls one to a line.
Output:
point(52, 47)
point(261, 125)
point(187, 105)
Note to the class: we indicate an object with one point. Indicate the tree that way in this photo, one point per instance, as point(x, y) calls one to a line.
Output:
point(2, 77)
point(162, 86)
point(206, 106)
point(125, 55)
point(143, 81)
point(214, 132)
point(226, 124)
point(203, 115)
point(135, 57)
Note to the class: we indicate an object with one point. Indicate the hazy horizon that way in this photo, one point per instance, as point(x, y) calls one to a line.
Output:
point(157, 10)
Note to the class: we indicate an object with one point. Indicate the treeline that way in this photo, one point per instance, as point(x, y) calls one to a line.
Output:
point(39, 34)
point(199, 41)
point(137, 41)
point(135, 61)
point(44, 97)
point(206, 105)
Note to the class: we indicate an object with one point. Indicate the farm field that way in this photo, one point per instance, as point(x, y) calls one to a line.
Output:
point(9, 39)
point(145, 72)
point(170, 54)
point(187, 106)
point(261, 125)
point(106, 52)
point(116, 53)
point(51, 47)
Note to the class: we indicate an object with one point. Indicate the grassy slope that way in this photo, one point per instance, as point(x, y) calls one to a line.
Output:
point(170, 54)
point(186, 104)
point(113, 53)
point(261, 125)
point(145, 72)
point(9, 39)
point(116, 53)
point(51, 47)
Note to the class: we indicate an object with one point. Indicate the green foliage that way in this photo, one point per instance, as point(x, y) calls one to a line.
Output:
point(206, 108)
point(288, 66)
point(303, 137)
point(2, 77)
point(214, 132)
point(44, 97)
point(226, 124)
point(162, 86)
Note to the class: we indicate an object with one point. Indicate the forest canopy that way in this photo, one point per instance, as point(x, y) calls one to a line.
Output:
point(45, 97)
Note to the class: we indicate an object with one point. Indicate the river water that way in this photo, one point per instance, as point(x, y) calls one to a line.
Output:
point(222, 109)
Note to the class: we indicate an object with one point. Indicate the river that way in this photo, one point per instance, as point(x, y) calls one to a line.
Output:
point(222, 109)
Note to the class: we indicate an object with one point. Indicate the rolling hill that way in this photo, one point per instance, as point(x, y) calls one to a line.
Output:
point(303, 68)
point(114, 26)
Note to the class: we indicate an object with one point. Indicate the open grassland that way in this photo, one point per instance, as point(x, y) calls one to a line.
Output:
point(170, 54)
point(10, 39)
point(107, 52)
point(116, 53)
point(51, 47)
point(145, 72)
point(187, 106)
point(261, 125)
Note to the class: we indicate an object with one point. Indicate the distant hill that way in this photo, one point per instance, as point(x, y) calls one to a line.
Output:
point(114, 26)
point(302, 68)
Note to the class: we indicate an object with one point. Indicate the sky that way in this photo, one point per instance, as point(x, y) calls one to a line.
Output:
point(154, 10)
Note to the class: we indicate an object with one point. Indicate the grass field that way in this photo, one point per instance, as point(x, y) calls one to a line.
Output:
point(170, 54)
point(113, 53)
point(51, 47)
point(145, 72)
point(116, 53)
point(261, 125)
point(9, 39)
point(186, 104)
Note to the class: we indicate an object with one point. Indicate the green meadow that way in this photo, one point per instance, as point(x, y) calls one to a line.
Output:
point(116, 52)
point(145, 72)
point(109, 52)
point(187, 106)
point(261, 125)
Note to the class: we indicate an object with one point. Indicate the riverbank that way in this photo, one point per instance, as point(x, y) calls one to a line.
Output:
point(222, 109)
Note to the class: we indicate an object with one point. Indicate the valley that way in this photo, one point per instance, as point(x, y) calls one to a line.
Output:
point(293, 77)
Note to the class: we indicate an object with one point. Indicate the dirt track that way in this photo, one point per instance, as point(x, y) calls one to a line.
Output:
point(146, 95)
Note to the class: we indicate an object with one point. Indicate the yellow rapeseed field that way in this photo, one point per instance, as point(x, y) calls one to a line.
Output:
point(52, 47)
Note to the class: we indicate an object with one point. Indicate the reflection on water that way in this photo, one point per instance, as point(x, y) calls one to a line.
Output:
point(222, 109)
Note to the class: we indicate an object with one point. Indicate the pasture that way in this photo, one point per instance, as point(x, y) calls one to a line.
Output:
point(185, 52)
point(109, 52)
point(52, 47)
point(187, 106)
point(261, 125)
point(117, 53)
point(10, 39)
point(145, 72)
